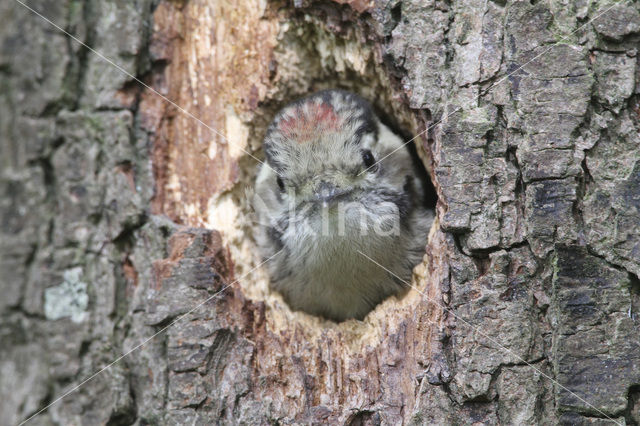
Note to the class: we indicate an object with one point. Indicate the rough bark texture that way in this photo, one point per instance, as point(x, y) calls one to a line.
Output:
point(119, 213)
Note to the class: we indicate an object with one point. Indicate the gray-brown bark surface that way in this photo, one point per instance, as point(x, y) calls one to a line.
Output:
point(104, 239)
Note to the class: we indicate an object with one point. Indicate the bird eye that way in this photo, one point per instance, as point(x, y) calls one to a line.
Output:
point(280, 183)
point(367, 158)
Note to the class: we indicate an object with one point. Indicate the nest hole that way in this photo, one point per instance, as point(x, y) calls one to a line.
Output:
point(308, 58)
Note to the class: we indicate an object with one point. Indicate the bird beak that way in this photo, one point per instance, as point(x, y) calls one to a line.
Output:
point(327, 192)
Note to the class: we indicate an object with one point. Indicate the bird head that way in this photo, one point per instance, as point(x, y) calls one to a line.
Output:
point(322, 153)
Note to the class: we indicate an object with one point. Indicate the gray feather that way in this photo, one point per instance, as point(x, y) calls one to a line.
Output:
point(330, 210)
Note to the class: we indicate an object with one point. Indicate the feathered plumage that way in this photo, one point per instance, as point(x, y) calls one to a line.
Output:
point(322, 197)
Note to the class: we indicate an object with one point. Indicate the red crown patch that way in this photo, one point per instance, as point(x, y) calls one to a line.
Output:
point(308, 120)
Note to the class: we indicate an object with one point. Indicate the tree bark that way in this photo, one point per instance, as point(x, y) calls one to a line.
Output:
point(125, 227)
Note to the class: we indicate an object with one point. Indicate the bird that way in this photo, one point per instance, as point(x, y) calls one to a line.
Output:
point(328, 209)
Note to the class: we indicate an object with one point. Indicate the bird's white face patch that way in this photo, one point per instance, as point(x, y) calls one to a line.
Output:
point(306, 121)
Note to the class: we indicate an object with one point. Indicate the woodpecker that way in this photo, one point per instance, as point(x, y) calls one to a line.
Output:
point(338, 185)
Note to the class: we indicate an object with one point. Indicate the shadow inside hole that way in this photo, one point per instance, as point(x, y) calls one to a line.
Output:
point(430, 194)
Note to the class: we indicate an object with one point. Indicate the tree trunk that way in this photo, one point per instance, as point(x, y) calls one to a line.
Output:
point(125, 227)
